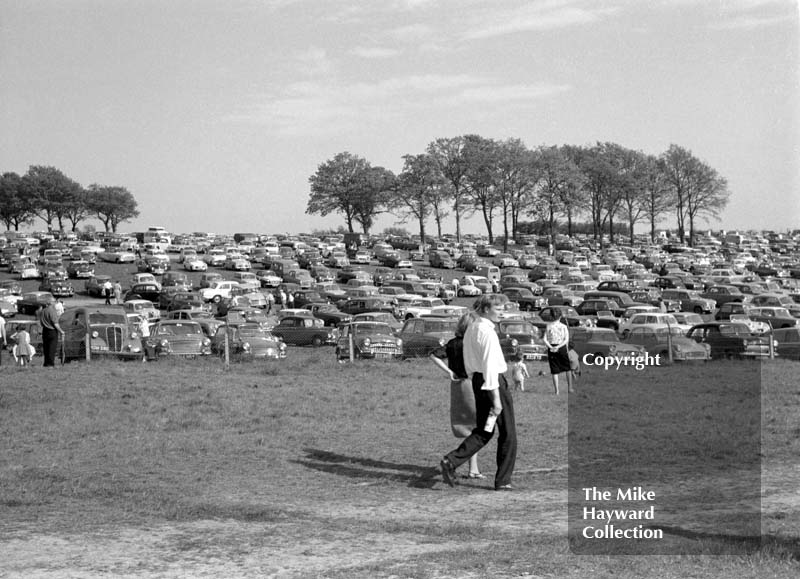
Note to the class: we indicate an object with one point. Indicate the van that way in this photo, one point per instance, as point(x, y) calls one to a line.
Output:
point(282, 266)
point(490, 272)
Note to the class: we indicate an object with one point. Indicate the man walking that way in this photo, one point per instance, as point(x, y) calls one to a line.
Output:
point(48, 318)
point(485, 364)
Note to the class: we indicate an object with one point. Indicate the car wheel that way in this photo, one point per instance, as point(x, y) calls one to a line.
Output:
point(461, 293)
point(216, 299)
point(626, 333)
point(316, 341)
point(698, 310)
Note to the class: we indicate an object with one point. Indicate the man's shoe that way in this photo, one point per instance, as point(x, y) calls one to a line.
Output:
point(504, 488)
point(448, 472)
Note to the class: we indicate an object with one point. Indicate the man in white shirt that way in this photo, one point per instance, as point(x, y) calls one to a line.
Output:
point(485, 364)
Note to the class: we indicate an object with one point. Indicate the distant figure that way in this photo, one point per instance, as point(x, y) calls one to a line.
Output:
point(117, 293)
point(270, 302)
point(518, 371)
point(107, 290)
point(290, 300)
point(3, 338)
point(48, 318)
point(22, 350)
point(662, 307)
point(59, 307)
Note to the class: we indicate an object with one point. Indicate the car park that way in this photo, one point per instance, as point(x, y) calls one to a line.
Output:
point(144, 291)
point(525, 298)
point(177, 338)
point(601, 342)
point(788, 343)
point(372, 340)
point(60, 288)
point(774, 316)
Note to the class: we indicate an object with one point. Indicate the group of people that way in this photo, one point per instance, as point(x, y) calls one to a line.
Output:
point(480, 396)
point(112, 290)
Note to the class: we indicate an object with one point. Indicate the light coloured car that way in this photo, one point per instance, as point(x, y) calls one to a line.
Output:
point(195, 264)
point(29, 271)
point(653, 320)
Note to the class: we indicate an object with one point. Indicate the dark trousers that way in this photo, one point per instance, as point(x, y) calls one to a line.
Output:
point(50, 347)
point(506, 431)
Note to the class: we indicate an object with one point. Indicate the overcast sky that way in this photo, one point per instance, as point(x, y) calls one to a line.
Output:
point(215, 113)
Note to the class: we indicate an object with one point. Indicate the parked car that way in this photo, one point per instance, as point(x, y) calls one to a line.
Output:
point(722, 294)
point(518, 337)
point(267, 278)
point(304, 331)
point(29, 271)
point(330, 315)
point(108, 329)
point(176, 279)
point(177, 338)
point(33, 327)
point(59, 288)
point(195, 264)
point(728, 309)
point(423, 336)
point(657, 342)
point(248, 340)
point(207, 278)
point(601, 342)
point(775, 317)
point(369, 340)
point(152, 264)
point(217, 290)
point(654, 320)
point(143, 278)
point(525, 298)
point(730, 339)
point(691, 300)
point(383, 317)
point(142, 307)
point(183, 300)
point(788, 342)
point(94, 285)
point(80, 269)
point(30, 302)
point(144, 291)
point(776, 300)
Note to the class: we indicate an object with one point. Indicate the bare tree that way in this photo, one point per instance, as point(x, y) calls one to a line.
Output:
point(449, 157)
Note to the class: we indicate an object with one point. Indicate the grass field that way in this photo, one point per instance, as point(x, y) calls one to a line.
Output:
point(310, 468)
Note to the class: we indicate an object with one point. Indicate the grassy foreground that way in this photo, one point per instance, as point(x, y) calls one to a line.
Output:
point(311, 468)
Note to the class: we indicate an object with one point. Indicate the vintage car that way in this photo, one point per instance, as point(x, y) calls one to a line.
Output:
point(776, 317)
point(657, 342)
point(369, 340)
point(367, 304)
point(525, 298)
point(776, 300)
point(58, 287)
point(207, 279)
point(730, 340)
point(152, 264)
point(646, 320)
point(107, 329)
point(383, 317)
point(18, 263)
point(215, 258)
point(237, 264)
point(94, 285)
point(80, 269)
point(195, 264)
point(117, 256)
point(246, 279)
point(12, 285)
point(788, 343)
point(305, 297)
point(29, 271)
point(183, 300)
point(218, 290)
point(331, 291)
point(722, 294)
point(420, 307)
point(423, 336)
point(177, 338)
point(187, 254)
point(143, 278)
point(520, 338)
point(30, 302)
point(8, 304)
point(593, 306)
point(267, 278)
point(601, 342)
point(142, 307)
point(553, 313)
point(320, 273)
point(468, 287)
point(756, 327)
point(144, 291)
point(175, 279)
point(691, 300)
point(248, 340)
point(303, 331)
point(329, 313)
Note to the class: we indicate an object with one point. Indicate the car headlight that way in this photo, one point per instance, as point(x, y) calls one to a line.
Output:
point(95, 334)
point(514, 343)
point(164, 343)
point(612, 348)
point(366, 343)
point(678, 348)
point(134, 335)
point(775, 343)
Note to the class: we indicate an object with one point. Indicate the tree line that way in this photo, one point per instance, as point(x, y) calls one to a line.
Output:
point(504, 182)
point(48, 194)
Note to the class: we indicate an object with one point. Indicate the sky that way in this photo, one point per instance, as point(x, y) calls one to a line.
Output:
point(214, 114)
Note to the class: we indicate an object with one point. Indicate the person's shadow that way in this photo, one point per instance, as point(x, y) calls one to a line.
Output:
point(413, 475)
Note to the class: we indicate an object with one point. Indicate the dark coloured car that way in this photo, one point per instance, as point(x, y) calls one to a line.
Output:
point(788, 342)
point(362, 305)
point(177, 338)
point(94, 285)
point(601, 342)
point(618, 285)
point(304, 331)
point(248, 340)
point(525, 298)
point(726, 310)
point(80, 269)
point(12, 285)
point(305, 297)
point(59, 288)
point(518, 337)
point(109, 331)
point(730, 340)
point(33, 327)
point(369, 340)
point(775, 317)
point(30, 302)
point(553, 313)
point(144, 291)
point(657, 341)
point(691, 300)
point(186, 301)
point(723, 294)
point(423, 336)
point(328, 313)
point(593, 306)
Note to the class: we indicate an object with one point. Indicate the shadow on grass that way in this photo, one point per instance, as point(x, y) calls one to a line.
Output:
point(779, 547)
point(413, 475)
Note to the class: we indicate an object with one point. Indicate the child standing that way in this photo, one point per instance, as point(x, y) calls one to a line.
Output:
point(23, 351)
point(574, 364)
point(519, 371)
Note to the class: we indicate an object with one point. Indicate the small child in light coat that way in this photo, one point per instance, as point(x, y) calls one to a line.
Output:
point(518, 372)
point(574, 363)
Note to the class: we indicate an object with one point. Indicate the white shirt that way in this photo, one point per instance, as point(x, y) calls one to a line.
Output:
point(482, 353)
point(556, 335)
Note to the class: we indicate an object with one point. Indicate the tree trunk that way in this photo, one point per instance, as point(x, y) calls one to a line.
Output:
point(457, 208)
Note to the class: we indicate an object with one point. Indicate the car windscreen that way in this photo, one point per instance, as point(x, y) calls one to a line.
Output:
point(178, 329)
point(107, 318)
point(373, 329)
point(604, 337)
point(440, 326)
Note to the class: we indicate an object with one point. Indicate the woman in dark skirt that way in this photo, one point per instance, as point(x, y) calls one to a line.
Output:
point(556, 338)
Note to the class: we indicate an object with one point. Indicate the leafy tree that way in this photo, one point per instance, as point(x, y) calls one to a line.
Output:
point(481, 178)
point(51, 193)
point(656, 198)
point(516, 179)
point(15, 207)
point(111, 205)
point(417, 186)
point(558, 174)
point(707, 198)
point(77, 209)
point(449, 157)
point(348, 184)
